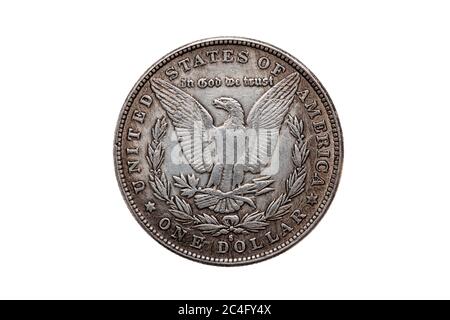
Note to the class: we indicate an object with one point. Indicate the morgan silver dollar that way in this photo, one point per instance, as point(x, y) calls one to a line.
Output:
point(228, 151)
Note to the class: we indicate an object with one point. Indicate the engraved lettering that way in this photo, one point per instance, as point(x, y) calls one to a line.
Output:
point(164, 223)
point(138, 186)
point(212, 55)
point(285, 229)
point(263, 63)
point(239, 246)
point(319, 126)
point(242, 57)
point(171, 73)
point(323, 140)
point(209, 82)
point(186, 83)
point(232, 82)
point(230, 167)
point(311, 107)
point(133, 150)
point(179, 233)
point(228, 55)
point(138, 116)
point(258, 81)
point(133, 166)
point(184, 64)
point(255, 245)
point(146, 100)
point(322, 166)
point(133, 134)
point(198, 61)
point(297, 216)
point(302, 95)
point(222, 247)
point(278, 69)
point(317, 180)
point(197, 242)
point(323, 153)
point(271, 238)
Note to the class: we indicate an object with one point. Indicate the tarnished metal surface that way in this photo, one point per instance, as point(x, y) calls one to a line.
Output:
point(228, 151)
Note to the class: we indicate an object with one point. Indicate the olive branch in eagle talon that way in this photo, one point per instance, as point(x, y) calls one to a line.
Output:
point(189, 188)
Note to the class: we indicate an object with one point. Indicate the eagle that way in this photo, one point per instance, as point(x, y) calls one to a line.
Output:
point(203, 143)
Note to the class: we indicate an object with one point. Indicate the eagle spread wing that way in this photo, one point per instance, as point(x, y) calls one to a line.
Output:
point(267, 115)
point(196, 134)
point(193, 124)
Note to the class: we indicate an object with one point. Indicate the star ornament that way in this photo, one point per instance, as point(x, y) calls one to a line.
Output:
point(311, 199)
point(149, 207)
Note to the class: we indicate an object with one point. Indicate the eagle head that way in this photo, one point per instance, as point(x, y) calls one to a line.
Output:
point(234, 109)
point(227, 104)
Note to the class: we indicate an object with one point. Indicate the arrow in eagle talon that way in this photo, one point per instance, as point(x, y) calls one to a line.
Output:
point(263, 191)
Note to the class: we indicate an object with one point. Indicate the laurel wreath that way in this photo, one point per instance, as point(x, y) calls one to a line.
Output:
point(256, 221)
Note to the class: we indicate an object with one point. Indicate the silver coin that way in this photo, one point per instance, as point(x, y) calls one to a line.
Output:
point(228, 151)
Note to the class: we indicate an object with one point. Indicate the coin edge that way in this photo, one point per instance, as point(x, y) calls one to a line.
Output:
point(316, 85)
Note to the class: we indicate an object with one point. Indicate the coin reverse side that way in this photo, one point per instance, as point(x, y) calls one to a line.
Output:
point(228, 151)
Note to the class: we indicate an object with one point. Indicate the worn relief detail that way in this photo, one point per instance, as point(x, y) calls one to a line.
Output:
point(230, 151)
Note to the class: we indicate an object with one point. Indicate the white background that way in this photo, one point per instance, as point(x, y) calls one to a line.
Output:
point(65, 70)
